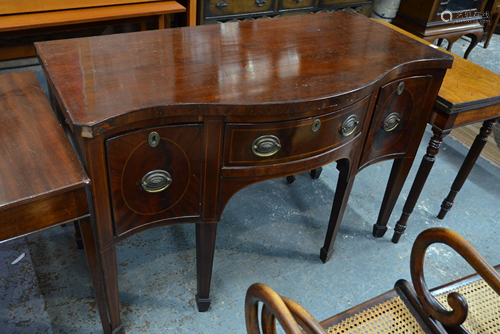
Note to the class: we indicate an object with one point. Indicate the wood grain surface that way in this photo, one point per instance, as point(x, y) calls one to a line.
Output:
point(292, 59)
point(86, 15)
point(37, 157)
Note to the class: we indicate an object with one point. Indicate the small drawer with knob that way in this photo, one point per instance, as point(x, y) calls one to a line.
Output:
point(292, 4)
point(396, 112)
point(154, 174)
point(216, 8)
point(262, 144)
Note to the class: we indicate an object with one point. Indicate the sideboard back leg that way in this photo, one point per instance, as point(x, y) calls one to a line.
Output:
point(418, 184)
point(467, 165)
point(344, 186)
point(315, 173)
point(205, 247)
point(399, 172)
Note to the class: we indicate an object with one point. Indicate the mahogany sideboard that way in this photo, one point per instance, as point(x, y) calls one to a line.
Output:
point(171, 124)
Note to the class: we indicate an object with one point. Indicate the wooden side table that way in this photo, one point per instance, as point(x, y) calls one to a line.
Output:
point(469, 94)
point(42, 183)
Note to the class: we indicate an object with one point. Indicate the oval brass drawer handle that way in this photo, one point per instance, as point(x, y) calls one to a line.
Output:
point(156, 181)
point(349, 126)
point(391, 122)
point(265, 146)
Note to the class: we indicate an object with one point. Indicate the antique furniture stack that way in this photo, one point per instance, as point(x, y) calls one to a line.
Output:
point(170, 124)
point(27, 18)
point(469, 305)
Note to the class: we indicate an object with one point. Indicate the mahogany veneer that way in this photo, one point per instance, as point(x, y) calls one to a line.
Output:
point(171, 124)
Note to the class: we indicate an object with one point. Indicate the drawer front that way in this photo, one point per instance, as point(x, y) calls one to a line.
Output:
point(261, 144)
point(214, 8)
point(396, 113)
point(341, 2)
point(154, 174)
point(292, 4)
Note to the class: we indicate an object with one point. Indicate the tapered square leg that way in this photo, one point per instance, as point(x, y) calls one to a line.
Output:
point(399, 172)
point(342, 192)
point(205, 247)
point(107, 298)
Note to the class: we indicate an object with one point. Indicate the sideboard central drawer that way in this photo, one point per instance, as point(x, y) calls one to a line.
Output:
point(154, 174)
point(260, 144)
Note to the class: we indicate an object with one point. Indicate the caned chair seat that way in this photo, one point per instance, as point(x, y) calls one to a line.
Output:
point(388, 313)
point(484, 304)
point(408, 309)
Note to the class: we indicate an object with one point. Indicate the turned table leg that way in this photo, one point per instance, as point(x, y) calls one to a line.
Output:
point(399, 172)
point(205, 247)
point(467, 165)
point(418, 184)
point(344, 186)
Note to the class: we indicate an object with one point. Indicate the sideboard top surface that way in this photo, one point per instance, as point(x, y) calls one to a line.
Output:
point(271, 61)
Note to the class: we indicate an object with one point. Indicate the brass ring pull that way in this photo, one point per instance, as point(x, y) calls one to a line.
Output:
point(391, 122)
point(265, 146)
point(316, 125)
point(349, 126)
point(156, 181)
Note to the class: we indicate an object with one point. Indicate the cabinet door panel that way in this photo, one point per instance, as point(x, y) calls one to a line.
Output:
point(396, 113)
point(158, 181)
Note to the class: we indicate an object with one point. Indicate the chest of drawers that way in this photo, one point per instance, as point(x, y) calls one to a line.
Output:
point(171, 124)
point(213, 11)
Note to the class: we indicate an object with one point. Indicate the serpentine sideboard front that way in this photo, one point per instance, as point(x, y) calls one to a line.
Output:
point(170, 124)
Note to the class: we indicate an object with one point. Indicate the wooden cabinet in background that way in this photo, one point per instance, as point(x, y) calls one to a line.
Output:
point(443, 19)
point(219, 11)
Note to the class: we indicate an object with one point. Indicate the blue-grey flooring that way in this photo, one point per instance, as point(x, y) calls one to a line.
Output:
point(271, 232)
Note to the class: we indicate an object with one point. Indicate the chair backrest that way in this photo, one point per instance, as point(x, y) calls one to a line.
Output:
point(406, 308)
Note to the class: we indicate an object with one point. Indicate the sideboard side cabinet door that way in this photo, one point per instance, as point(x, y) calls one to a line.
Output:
point(154, 175)
point(396, 113)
